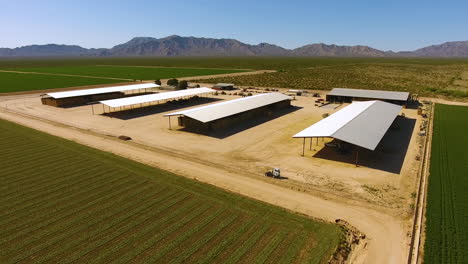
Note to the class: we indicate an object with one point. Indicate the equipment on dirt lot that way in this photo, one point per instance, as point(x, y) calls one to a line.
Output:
point(275, 173)
point(122, 137)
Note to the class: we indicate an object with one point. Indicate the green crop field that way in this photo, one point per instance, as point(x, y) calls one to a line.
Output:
point(90, 75)
point(447, 200)
point(62, 202)
point(15, 82)
point(128, 72)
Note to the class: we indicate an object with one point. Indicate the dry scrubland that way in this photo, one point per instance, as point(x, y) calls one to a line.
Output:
point(427, 80)
point(447, 207)
point(64, 202)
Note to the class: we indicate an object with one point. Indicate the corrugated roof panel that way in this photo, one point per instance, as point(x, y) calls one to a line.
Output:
point(224, 109)
point(103, 90)
point(156, 97)
point(371, 94)
point(361, 123)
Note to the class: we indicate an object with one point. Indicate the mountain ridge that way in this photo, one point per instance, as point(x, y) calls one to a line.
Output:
point(175, 45)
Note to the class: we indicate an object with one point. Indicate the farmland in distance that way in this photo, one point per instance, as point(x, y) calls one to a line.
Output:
point(447, 206)
point(64, 202)
point(16, 82)
point(128, 72)
point(27, 79)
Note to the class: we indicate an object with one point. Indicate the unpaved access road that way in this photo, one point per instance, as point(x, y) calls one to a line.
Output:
point(386, 238)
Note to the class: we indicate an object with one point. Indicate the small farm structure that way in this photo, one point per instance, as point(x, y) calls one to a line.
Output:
point(223, 86)
point(225, 114)
point(151, 99)
point(362, 124)
point(81, 97)
point(345, 95)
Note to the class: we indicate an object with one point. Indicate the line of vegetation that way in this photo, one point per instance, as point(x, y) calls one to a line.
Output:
point(65, 202)
point(260, 63)
point(447, 206)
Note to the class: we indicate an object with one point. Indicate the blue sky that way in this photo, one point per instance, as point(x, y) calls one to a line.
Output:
point(388, 25)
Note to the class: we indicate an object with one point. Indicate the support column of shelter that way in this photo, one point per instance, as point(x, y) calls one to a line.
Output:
point(303, 146)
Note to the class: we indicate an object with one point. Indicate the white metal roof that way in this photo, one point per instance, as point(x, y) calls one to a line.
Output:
point(370, 94)
point(224, 109)
point(156, 97)
point(111, 89)
point(360, 123)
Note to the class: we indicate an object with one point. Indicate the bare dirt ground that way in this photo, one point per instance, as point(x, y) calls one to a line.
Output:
point(374, 197)
point(444, 101)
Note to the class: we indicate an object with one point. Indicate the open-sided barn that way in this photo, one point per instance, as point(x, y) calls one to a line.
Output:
point(221, 115)
point(362, 124)
point(81, 97)
point(149, 99)
point(345, 95)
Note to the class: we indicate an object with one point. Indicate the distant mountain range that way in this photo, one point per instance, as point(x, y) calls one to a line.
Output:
point(192, 46)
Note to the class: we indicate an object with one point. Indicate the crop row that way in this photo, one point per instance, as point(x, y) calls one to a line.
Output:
point(63, 202)
point(447, 207)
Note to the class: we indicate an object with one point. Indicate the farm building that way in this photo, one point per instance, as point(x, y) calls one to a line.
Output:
point(362, 124)
point(222, 115)
point(81, 97)
point(345, 95)
point(150, 99)
point(223, 86)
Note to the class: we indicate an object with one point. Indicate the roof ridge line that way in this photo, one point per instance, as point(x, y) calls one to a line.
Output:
point(373, 102)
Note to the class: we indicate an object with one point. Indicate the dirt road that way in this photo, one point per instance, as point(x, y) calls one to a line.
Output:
point(387, 241)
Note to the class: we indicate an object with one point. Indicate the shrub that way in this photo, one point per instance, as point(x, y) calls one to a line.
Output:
point(182, 85)
point(157, 81)
point(173, 82)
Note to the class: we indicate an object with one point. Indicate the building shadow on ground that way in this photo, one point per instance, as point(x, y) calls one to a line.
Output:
point(389, 154)
point(160, 108)
point(245, 125)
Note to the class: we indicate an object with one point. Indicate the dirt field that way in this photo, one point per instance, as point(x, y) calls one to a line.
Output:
point(264, 144)
point(375, 197)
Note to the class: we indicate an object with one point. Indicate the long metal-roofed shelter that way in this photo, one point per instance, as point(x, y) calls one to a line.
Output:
point(76, 97)
point(222, 114)
point(345, 95)
point(145, 100)
point(361, 123)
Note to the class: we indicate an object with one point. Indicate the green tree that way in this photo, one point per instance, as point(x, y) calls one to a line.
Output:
point(182, 85)
point(173, 82)
point(157, 81)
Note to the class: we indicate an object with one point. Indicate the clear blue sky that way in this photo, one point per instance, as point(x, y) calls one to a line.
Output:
point(396, 25)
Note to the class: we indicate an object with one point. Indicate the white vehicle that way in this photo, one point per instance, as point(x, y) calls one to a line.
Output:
point(275, 173)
